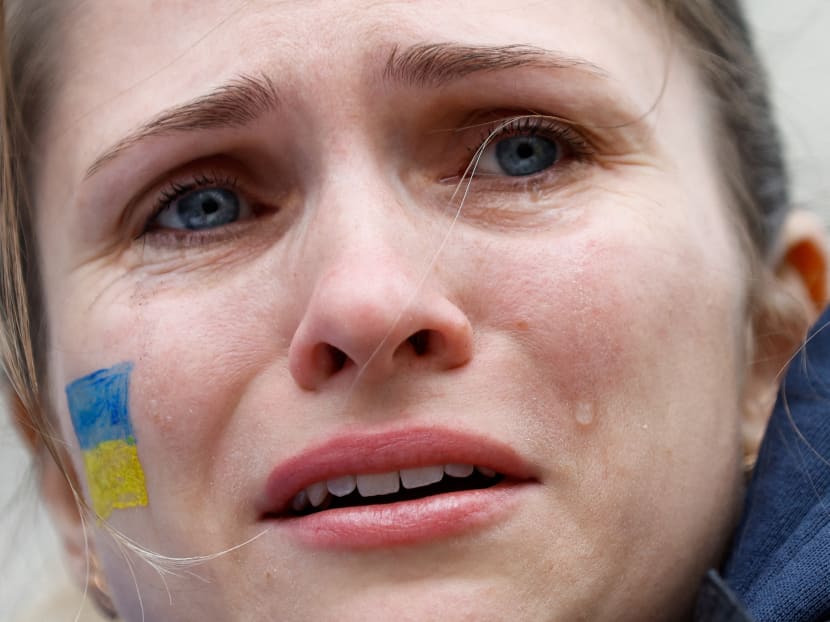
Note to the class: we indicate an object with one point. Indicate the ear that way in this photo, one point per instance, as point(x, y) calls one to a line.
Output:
point(804, 261)
point(793, 293)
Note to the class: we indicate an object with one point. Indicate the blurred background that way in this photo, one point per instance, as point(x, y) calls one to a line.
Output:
point(793, 38)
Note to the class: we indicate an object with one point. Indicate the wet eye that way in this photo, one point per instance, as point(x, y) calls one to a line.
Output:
point(517, 156)
point(202, 208)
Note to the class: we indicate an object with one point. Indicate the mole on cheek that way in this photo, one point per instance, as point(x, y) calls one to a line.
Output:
point(99, 407)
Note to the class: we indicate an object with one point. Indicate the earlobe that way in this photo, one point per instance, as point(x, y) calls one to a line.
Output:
point(792, 294)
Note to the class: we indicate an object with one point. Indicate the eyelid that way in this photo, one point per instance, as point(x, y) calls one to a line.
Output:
point(565, 133)
point(548, 126)
point(182, 186)
point(176, 189)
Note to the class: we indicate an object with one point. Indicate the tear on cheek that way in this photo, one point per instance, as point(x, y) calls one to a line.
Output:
point(628, 321)
point(594, 342)
point(598, 321)
point(99, 407)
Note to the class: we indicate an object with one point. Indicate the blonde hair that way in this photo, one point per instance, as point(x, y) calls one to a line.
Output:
point(23, 71)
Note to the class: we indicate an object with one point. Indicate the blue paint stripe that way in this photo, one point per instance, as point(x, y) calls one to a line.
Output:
point(98, 404)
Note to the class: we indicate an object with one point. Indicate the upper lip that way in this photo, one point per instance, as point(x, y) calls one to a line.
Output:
point(355, 454)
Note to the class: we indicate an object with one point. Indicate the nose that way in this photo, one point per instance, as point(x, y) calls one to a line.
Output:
point(369, 319)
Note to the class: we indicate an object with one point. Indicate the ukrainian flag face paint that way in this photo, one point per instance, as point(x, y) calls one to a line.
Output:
point(99, 406)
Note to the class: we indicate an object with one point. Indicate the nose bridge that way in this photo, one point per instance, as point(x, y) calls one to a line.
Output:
point(371, 250)
point(356, 205)
point(362, 240)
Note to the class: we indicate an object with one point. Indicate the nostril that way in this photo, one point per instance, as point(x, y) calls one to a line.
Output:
point(420, 342)
point(329, 360)
point(337, 358)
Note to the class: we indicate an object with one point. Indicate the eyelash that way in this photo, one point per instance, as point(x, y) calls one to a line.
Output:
point(575, 146)
point(175, 190)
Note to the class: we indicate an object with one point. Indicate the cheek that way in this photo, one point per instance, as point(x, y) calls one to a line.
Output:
point(198, 369)
point(601, 312)
point(195, 353)
point(626, 359)
point(626, 348)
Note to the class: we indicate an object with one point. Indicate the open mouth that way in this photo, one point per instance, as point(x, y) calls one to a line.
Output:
point(385, 488)
point(357, 492)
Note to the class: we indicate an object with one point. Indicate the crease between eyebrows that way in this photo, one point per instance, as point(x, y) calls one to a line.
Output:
point(246, 98)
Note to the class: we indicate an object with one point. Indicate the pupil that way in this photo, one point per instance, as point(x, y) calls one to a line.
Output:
point(210, 206)
point(525, 150)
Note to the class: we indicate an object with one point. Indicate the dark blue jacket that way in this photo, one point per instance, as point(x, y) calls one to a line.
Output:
point(779, 566)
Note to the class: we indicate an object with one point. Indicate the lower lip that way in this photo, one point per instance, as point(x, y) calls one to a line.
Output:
point(406, 522)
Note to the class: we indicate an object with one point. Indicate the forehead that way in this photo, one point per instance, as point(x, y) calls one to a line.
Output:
point(125, 61)
point(128, 34)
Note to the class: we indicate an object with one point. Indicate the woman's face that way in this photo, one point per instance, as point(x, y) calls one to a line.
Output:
point(256, 208)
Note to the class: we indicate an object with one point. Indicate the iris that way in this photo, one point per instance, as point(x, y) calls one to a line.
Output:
point(208, 207)
point(526, 155)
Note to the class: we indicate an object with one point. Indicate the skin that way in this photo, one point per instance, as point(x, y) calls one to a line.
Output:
point(593, 316)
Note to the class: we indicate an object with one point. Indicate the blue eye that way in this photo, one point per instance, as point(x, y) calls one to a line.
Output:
point(208, 207)
point(201, 208)
point(524, 146)
point(525, 155)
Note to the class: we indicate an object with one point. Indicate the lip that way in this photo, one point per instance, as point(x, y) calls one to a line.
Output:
point(404, 522)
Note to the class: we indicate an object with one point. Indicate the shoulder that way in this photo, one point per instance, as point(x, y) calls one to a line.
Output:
point(780, 562)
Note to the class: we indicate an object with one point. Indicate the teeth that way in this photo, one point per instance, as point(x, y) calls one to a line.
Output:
point(458, 470)
point(378, 484)
point(342, 486)
point(300, 501)
point(317, 493)
point(415, 478)
point(486, 472)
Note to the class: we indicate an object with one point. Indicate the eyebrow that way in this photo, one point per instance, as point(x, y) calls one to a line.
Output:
point(436, 64)
point(246, 98)
point(234, 104)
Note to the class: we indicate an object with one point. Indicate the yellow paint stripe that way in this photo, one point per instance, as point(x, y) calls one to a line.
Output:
point(115, 475)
